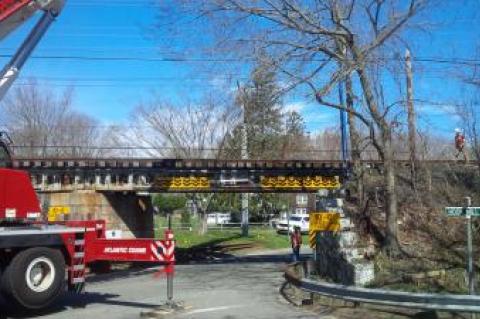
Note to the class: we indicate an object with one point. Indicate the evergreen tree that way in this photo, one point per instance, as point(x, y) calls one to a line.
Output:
point(262, 110)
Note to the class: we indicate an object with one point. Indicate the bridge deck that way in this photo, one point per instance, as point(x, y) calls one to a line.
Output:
point(190, 175)
point(175, 164)
point(183, 175)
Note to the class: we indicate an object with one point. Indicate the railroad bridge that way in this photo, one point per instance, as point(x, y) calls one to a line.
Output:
point(118, 190)
point(180, 175)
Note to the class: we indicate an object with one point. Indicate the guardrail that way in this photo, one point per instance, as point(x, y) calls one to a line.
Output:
point(425, 301)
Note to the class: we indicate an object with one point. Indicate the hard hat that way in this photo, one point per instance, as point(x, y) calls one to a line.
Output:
point(457, 130)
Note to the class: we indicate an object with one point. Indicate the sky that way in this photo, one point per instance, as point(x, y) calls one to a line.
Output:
point(109, 89)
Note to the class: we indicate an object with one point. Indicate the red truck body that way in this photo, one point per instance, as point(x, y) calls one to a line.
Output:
point(37, 256)
point(18, 199)
point(33, 251)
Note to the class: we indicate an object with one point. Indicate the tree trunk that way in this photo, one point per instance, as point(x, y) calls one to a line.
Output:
point(391, 242)
point(354, 144)
point(428, 173)
point(204, 228)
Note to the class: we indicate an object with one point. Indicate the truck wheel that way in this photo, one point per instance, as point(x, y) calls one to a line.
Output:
point(34, 278)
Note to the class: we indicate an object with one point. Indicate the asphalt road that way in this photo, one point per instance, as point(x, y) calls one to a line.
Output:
point(241, 287)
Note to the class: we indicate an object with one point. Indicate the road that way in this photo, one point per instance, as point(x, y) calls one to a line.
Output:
point(237, 287)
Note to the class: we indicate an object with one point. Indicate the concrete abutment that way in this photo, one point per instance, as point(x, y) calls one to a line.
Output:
point(127, 213)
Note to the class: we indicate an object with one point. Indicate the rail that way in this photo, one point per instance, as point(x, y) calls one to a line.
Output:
point(424, 301)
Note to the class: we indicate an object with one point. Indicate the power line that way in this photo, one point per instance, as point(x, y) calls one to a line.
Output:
point(130, 79)
point(228, 77)
point(114, 3)
point(461, 61)
point(166, 83)
point(126, 85)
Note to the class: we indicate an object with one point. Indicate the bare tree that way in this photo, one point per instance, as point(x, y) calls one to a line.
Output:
point(470, 119)
point(193, 130)
point(43, 123)
point(303, 38)
point(468, 111)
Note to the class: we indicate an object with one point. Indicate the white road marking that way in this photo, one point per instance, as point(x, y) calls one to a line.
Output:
point(212, 309)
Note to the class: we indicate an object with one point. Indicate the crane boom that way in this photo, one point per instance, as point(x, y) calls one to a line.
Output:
point(12, 14)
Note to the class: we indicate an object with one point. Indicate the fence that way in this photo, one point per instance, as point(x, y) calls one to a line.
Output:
point(223, 226)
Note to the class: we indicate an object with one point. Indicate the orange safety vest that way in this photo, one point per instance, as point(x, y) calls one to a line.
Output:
point(296, 239)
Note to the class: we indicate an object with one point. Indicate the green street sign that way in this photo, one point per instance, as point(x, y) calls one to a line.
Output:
point(461, 211)
point(454, 211)
point(473, 211)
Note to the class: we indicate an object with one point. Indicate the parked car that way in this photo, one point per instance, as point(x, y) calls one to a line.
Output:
point(302, 221)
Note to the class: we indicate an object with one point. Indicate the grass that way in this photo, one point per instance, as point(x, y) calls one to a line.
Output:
point(393, 274)
point(259, 237)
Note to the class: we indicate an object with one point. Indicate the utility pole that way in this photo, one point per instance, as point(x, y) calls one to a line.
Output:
point(411, 120)
point(343, 124)
point(244, 156)
point(342, 50)
point(470, 271)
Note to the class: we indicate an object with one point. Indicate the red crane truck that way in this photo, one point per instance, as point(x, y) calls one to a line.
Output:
point(39, 259)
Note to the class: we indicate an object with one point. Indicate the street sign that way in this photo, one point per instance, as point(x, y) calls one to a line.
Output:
point(312, 238)
point(454, 211)
point(468, 212)
point(54, 211)
point(473, 211)
point(324, 222)
point(462, 211)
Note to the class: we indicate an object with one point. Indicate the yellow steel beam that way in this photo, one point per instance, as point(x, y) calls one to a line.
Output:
point(299, 182)
point(183, 182)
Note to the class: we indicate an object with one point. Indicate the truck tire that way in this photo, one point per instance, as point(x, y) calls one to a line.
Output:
point(34, 278)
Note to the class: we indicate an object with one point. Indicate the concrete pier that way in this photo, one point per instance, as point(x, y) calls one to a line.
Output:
point(127, 213)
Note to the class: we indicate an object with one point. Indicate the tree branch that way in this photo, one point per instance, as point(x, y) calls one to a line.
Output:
point(362, 118)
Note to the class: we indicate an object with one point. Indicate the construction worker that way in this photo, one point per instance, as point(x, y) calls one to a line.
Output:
point(460, 144)
point(296, 240)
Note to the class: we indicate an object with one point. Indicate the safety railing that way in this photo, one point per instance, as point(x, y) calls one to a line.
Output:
point(295, 275)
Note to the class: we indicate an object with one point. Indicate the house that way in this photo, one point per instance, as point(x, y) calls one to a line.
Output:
point(303, 203)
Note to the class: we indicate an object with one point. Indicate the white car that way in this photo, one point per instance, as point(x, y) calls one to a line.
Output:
point(301, 221)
